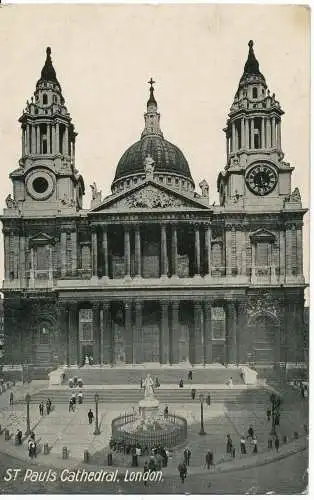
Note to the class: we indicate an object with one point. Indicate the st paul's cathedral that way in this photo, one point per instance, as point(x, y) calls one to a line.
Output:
point(154, 273)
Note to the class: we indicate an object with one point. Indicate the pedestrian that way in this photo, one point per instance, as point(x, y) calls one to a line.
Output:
point(187, 456)
point(166, 412)
point(32, 435)
point(141, 382)
point(48, 406)
point(277, 419)
point(229, 444)
point(32, 448)
point(277, 443)
point(41, 409)
point(190, 375)
point(71, 407)
point(243, 446)
point(208, 399)
point(157, 383)
point(80, 398)
point(182, 472)
point(146, 469)
point(270, 443)
point(181, 383)
point(90, 415)
point(268, 413)
point(73, 397)
point(11, 398)
point(254, 444)
point(242, 376)
point(233, 452)
point(302, 390)
point(250, 432)
point(230, 382)
point(193, 393)
point(19, 437)
point(209, 459)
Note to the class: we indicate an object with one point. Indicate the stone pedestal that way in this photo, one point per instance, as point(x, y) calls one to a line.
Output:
point(149, 409)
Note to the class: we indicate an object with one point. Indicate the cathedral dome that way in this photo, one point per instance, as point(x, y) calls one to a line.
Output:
point(167, 158)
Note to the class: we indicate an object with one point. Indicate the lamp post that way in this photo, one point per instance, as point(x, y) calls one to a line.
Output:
point(202, 432)
point(28, 425)
point(97, 430)
point(275, 403)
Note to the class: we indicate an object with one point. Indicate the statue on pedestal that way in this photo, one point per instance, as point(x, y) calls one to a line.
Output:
point(148, 385)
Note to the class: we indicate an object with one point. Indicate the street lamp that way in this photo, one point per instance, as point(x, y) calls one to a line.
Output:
point(28, 425)
point(202, 432)
point(275, 404)
point(97, 430)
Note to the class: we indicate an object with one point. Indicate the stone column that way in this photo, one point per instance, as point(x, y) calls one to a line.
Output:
point(289, 234)
point(233, 141)
point(253, 273)
point(231, 333)
point(105, 270)
point(138, 252)
point(32, 270)
point(138, 334)
point(273, 132)
point(299, 250)
point(282, 254)
point(50, 268)
point(22, 267)
point(48, 139)
point(6, 237)
point(175, 325)
point(73, 334)
point(244, 341)
point(94, 252)
point(208, 243)
point(243, 145)
point(164, 254)
point(208, 340)
point(37, 139)
point(263, 133)
point(198, 332)
point(107, 334)
point(57, 138)
point(252, 133)
point(63, 253)
point(33, 145)
point(128, 332)
point(247, 133)
point(96, 333)
point(197, 250)
point(268, 133)
point(74, 252)
point(66, 141)
point(228, 239)
point(279, 135)
point(127, 252)
point(23, 142)
point(174, 249)
point(164, 333)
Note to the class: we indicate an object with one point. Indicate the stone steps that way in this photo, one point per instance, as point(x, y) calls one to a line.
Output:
point(166, 396)
point(97, 376)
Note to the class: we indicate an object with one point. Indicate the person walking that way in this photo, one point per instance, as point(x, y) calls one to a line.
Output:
point(193, 393)
point(229, 444)
point(80, 398)
point(71, 406)
point(209, 459)
point(277, 443)
point(208, 399)
point(254, 442)
point(90, 415)
point(250, 432)
point(243, 446)
point(181, 383)
point(41, 409)
point(190, 375)
point(157, 383)
point(11, 398)
point(277, 419)
point(268, 413)
point(182, 472)
point(187, 456)
point(270, 442)
point(166, 412)
point(48, 406)
point(19, 437)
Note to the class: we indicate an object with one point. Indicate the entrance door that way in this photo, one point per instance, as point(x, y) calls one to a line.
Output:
point(43, 347)
point(264, 332)
point(151, 344)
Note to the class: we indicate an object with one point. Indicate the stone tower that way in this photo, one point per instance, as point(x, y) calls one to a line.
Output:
point(255, 174)
point(47, 181)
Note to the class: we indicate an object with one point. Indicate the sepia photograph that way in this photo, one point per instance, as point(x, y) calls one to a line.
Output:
point(154, 252)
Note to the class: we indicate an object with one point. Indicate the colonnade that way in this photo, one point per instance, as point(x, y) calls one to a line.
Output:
point(243, 131)
point(56, 137)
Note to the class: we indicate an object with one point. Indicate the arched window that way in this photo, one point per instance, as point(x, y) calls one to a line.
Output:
point(254, 92)
point(45, 99)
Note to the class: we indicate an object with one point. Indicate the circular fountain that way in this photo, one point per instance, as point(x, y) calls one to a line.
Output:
point(147, 426)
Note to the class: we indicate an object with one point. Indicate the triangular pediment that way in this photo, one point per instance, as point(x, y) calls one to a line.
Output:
point(150, 195)
point(262, 235)
point(40, 239)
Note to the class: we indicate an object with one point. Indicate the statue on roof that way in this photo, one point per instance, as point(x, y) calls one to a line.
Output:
point(149, 166)
point(10, 202)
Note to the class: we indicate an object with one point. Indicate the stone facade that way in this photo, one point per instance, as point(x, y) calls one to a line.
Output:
point(154, 273)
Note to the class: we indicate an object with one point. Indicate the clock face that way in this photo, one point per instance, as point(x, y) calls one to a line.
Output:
point(261, 179)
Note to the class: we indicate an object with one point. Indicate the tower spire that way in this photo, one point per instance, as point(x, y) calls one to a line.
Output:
point(152, 117)
point(48, 73)
point(251, 67)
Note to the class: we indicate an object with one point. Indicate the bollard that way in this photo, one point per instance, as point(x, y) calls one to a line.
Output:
point(65, 452)
point(86, 456)
point(7, 435)
point(109, 459)
point(285, 440)
point(46, 449)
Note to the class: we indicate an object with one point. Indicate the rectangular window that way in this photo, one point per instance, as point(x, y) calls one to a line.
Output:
point(86, 325)
point(262, 254)
point(218, 323)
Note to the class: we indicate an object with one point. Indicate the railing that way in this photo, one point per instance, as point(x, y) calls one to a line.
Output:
point(169, 437)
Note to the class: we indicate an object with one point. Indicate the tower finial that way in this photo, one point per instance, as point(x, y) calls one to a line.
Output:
point(151, 99)
point(250, 44)
point(48, 51)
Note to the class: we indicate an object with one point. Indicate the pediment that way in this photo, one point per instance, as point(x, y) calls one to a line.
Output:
point(262, 235)
point(41, 239)
point(150, 195)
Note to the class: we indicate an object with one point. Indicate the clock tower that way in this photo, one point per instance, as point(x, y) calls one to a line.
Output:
point(255, 176)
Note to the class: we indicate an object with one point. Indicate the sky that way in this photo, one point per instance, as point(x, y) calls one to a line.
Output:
point(104, 56)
